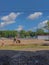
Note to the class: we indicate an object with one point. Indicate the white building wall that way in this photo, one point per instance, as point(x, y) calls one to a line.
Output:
point(43, 37)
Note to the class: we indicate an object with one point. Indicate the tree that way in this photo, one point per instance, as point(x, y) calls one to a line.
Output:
point(27, 34)
point(39, 32)
point(8, 33)
point(22, 33)
point(47, 26)
point(30, 34)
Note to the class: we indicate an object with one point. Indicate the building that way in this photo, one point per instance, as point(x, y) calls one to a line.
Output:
point(43, 37)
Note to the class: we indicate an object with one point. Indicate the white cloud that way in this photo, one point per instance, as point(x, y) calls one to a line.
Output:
point(2, 24)
point(9, 19)
point(34, 15)
point(42, 24)
point(20, 27)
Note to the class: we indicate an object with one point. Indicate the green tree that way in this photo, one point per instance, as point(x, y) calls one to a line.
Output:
point(30, 34)
point(8, 33)
point(47, 26)
point(27, 34)
point(39, 32)
point(22, 33)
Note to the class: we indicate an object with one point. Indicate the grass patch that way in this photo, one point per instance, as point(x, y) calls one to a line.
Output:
point(22, 46)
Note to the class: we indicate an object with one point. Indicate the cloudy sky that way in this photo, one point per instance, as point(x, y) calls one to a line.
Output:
point(23, 14)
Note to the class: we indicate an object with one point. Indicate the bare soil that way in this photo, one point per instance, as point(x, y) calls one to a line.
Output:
point(22, 41)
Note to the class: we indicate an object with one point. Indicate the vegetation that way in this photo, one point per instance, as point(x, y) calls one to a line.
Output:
point(25, 34)
point(47, 26)
point(22, 34)
point(25, 47)
point(40, 32)
point(8, 33)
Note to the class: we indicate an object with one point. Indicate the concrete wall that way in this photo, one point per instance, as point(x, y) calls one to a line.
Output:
point(46, 37)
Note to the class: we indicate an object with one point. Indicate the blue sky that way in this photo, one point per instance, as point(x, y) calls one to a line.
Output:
point(23, 14)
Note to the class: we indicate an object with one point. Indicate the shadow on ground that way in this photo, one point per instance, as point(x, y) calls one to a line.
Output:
point(9, 57)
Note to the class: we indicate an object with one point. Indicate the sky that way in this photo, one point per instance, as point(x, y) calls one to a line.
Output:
point(23, 14)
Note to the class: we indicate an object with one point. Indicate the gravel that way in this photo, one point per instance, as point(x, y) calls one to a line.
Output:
point(24, 57)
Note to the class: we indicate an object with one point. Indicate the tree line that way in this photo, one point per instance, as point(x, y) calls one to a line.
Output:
point(24, 34)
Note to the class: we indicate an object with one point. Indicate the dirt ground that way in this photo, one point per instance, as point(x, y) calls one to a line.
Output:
point(10, 57)
point(6, 41)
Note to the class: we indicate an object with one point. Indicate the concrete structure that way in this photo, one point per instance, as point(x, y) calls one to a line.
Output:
point(44, 37)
